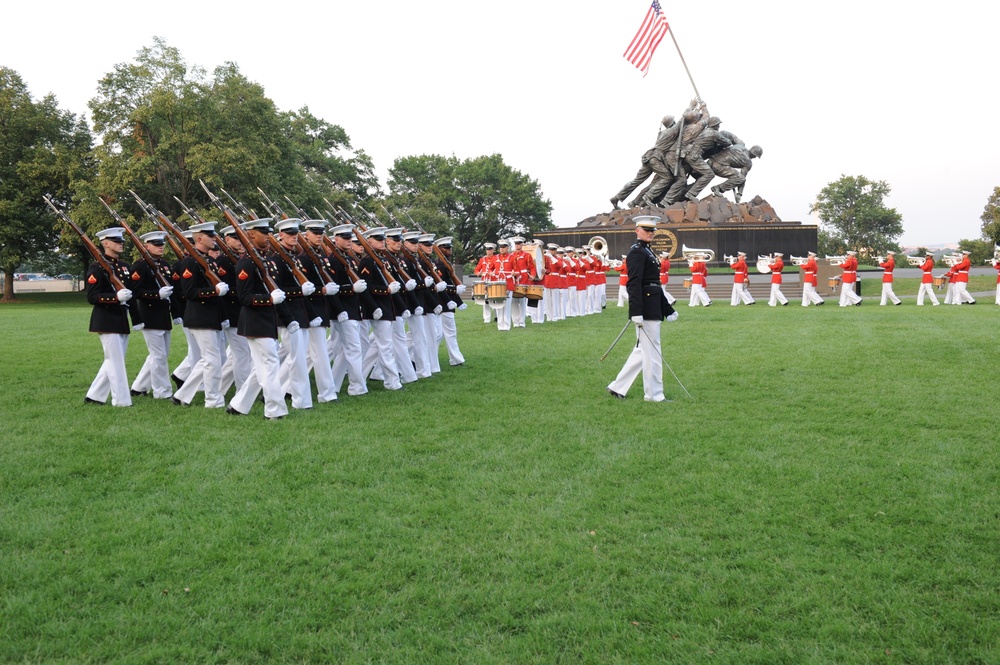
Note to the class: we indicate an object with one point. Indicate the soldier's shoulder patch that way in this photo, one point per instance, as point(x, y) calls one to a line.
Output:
point(136, 277)
point(243, 275)
point(92, 279)
point(222, 272)
point(364, 270)
point(187, 274)
point(175, 277)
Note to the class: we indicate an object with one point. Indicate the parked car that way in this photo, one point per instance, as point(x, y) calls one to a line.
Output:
point(64, 276)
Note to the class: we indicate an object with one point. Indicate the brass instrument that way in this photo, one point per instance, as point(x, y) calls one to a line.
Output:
point(879, 259)
point(764, 263)
point(996, 256)
point(799, 260)
point(691, 254)
point(915, 261)
point(951, 260)
point(598, 246)
point(836, 260)
point(729, 259)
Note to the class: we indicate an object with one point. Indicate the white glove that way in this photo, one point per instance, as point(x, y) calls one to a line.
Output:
point(123, 295)
point(178, 321)
point(672, 317)
point(225, 324)
point(359, 286)
point(440, 286)
point(308, 289)
point(637, 320)
point(460, 289)
point(343, 316)
point(222, 288)
point(377, 314)
point(166, 292)
point(462, 306)
point(451, 305)
point(410, 284)
point(316, 323)
point(293, 327)
point(418, 311)
point(406, 314)
point(437, 310)
point(277, 297)
point(394, 287)
point(139, 326)
point(331, 289)
point(428, 281)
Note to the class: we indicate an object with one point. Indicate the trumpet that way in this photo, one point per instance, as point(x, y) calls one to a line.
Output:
point(729, 259)
point(691, 254)
point(915, 260)
point(799, 260)
point(836, 260)
point(951, 260)
point(879, 259)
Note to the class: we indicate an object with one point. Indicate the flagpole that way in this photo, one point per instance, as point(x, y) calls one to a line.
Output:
point(683, 62)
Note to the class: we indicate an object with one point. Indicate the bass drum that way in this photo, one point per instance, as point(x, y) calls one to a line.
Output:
point(538, 254)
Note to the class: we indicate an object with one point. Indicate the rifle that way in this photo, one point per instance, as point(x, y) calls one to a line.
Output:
point(252, 252)
point(201, 220)
point(299, 211)
point(389, 279)
point(150, 261)
point(437, 250)
point(303, 243)
point(271, 206)
point(89, 244)
point(155, 214)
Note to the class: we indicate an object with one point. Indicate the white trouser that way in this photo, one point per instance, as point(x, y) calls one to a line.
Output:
point(699, 296)
point(432, 328)
point(450, 331)
point(382, 353)
point(518, 309)
point(622, 294)
point(418, 331)
point(111, 377)
point(581, 302)
point(949, 294)
point(318, 358)
point(602, 295)
point(294, 373)
point(155, 372)
point(566, 299)
point(537, 313)
point(236, 367)
point(401, 351)
point(503, 314)
point(207, 372)
point(347, 359)
point(777, 296)
point(670, 298)
point(927, 289)
point(887, 294)
point(847, 295)
point(962, 294)
point(487, 313)
point(645, 358)
point(998, 293)
point(740, 295)
point(593, 299)
point(809, 295)
point(263, 375)
point(183, 371)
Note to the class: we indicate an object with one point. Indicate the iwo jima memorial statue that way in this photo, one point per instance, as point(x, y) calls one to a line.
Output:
point(688, 155)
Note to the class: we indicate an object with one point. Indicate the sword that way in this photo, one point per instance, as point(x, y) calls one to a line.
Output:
point(614, 343)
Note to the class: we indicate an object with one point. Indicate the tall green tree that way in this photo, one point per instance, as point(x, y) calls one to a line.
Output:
point(853, 212)
point(475, 200)
point(42, 150)
point(991, 217)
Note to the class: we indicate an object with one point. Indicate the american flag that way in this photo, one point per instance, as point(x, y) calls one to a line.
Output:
point(652, 30)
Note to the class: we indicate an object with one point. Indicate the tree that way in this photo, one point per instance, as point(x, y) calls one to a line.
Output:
point(475, 200)
point(991, 217)
point(854, 213)
point(42, 150)
point(979, 250)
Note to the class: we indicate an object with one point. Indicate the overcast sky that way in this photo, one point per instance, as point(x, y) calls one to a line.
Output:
point(874, 88)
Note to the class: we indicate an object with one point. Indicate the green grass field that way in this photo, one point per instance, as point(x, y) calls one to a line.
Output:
point(829, 495)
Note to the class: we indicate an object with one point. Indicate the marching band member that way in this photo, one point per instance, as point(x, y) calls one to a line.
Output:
point(484, 268)
point(847, 280)
point(927, 281)
point(536, 308)
point(949, 291)
point(581, 281)
point(740, 278)
point(699, 272)
point(887, 267)
point(623, 282)
point(962, 295)
point(563, 282)
point(109, 319)
point(647, 307)
point(505, 273)
point(776, 266)
point(551, 283)
point(996, 264)
point(809, 282)
point(524, 266)
point(665, 276)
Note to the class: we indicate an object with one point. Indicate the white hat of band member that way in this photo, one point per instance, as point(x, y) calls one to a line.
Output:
point(552, 245)
point(891, 252)
point(741, 253)
point(778, 254)
point(343, 229)
point(376, 233)
point(259, 224)
point(287, 224)
point(317, 225)
point(153, 236)
point(517, 239)
point(445, 241)
point(812, 253)
point(647, 222)
point(113, 233)
point(411, 236)
point(503, 243)
point(489, 245)
point(204, 227)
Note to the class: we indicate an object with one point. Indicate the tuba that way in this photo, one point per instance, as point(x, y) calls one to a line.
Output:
point(836, 260)
point(691, 254)
point(598, 246)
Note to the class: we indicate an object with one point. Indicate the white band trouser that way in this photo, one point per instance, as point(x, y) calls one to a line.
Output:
point(206, 374)
point(155, 372)
point(263, 376)
point(111, 377)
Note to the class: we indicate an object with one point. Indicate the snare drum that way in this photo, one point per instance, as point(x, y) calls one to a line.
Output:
point(496, 294)
point(939, 282)
point(479, 292)
point(687, 282)
point(534, 292)
point(833, 283)
point(521, 291)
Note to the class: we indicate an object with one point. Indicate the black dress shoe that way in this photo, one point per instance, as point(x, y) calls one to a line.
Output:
point(233, 412)
point(87, 400)
point(615, 395)
point(138, 393)
point(274, 418)
point(178, 402)
point(178, 381)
